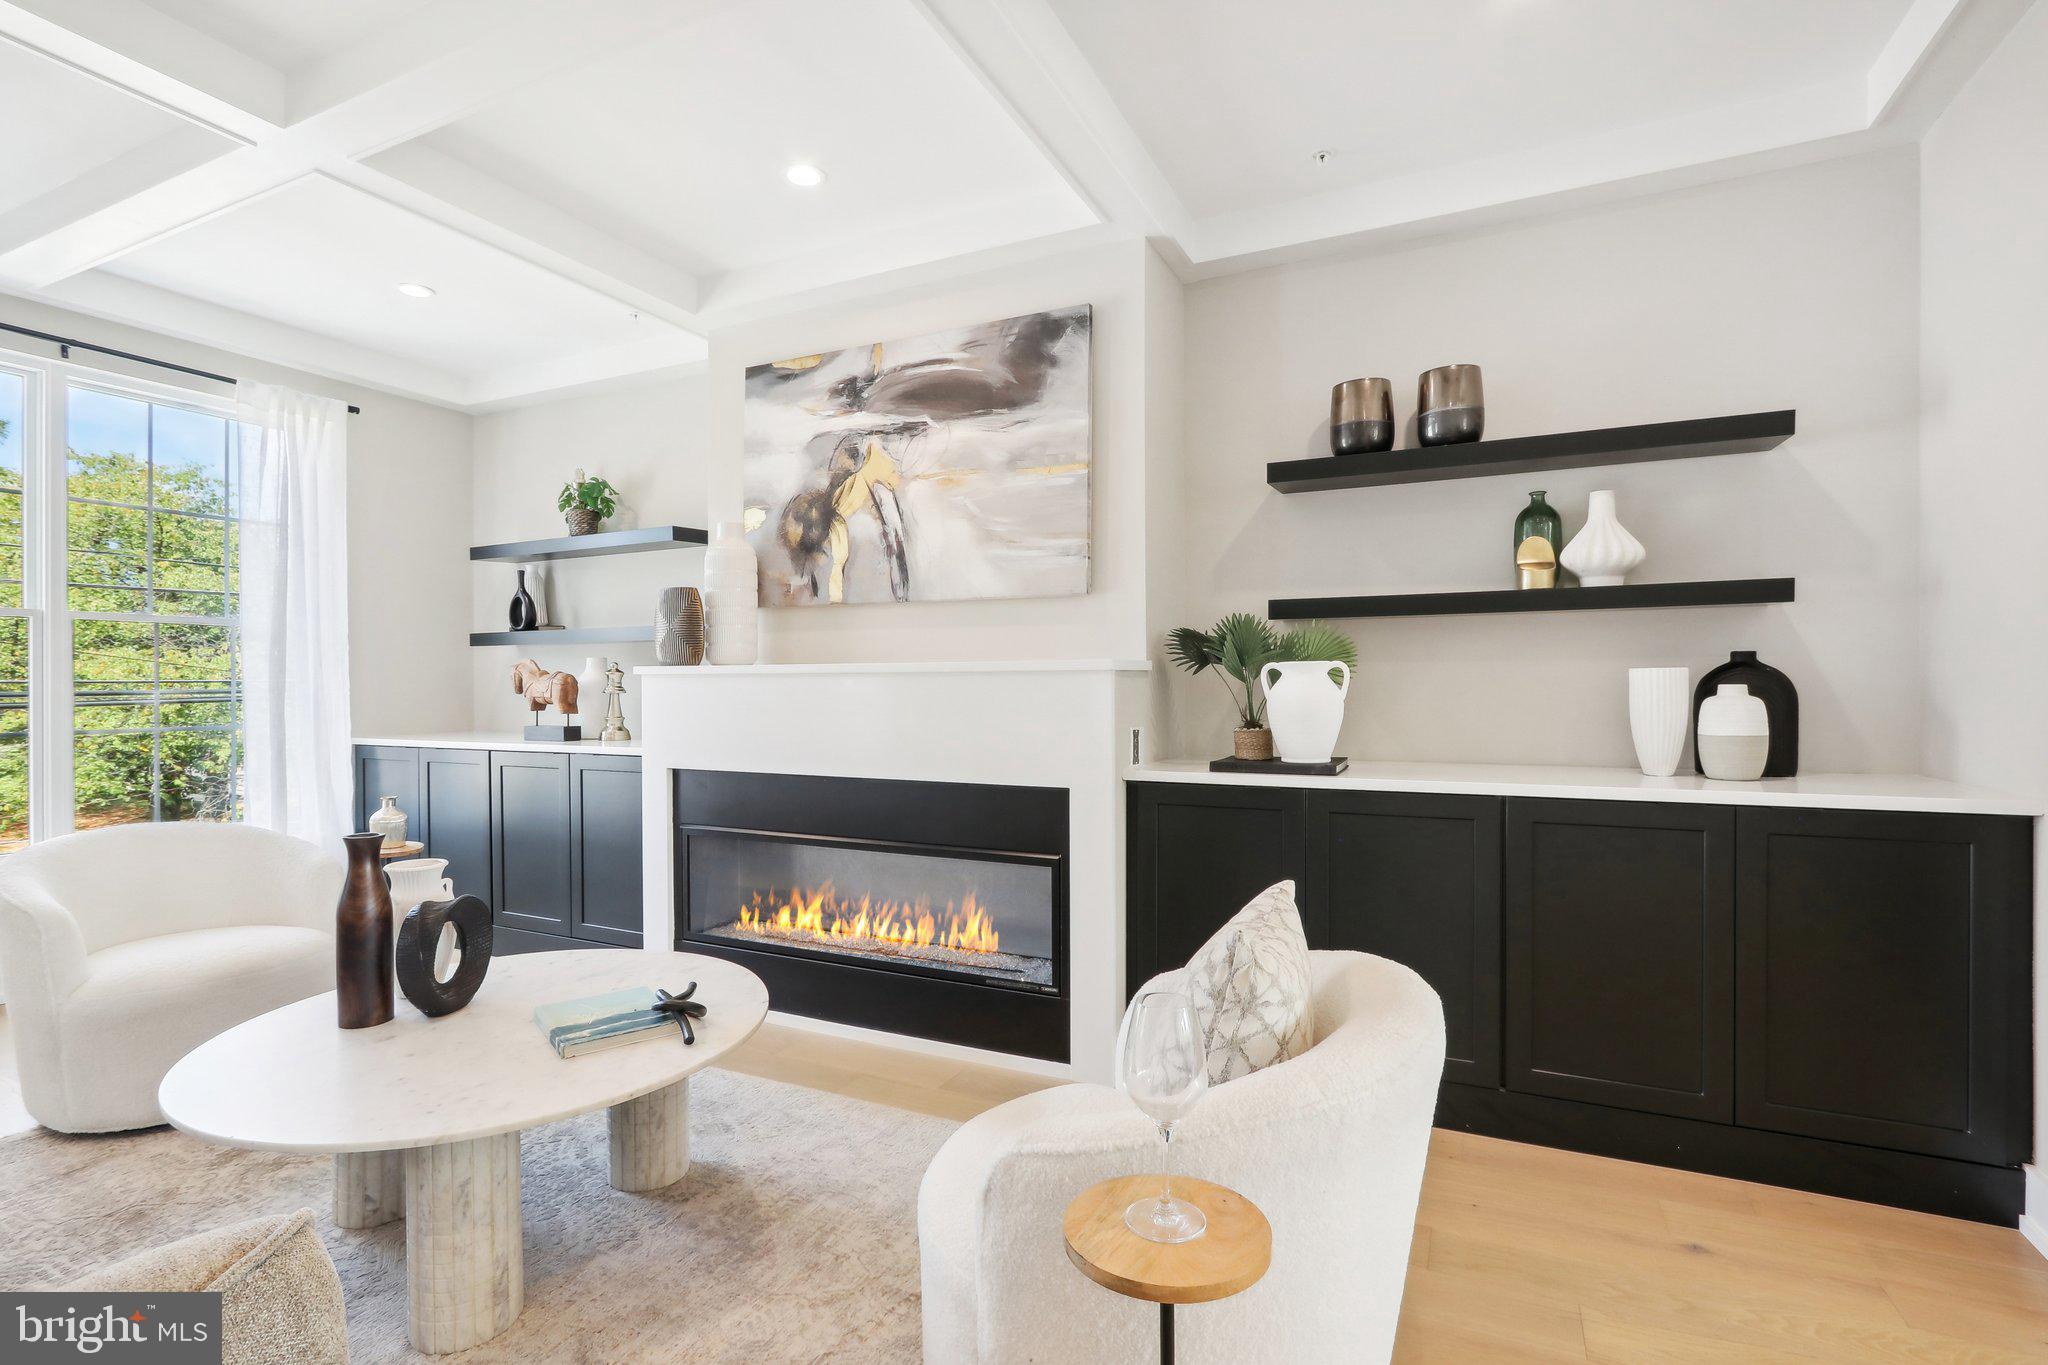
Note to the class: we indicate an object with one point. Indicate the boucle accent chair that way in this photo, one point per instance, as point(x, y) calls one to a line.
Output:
point(123, 949)
point(1329, 1144)
point(280, 1299)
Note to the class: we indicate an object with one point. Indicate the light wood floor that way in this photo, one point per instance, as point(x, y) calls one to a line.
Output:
point(1530, 1255)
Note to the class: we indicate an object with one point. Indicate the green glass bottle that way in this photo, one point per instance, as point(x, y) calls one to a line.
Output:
point(1539, 535)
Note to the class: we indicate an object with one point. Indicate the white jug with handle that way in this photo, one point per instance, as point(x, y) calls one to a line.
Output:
point(1305, 708)
point(420, 879)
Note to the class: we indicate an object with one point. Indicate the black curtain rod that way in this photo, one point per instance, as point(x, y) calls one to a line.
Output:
point(66, 345)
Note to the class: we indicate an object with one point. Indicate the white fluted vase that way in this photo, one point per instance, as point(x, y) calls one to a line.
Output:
point(1659, 713)
point(1603, 553)
point(732, 597)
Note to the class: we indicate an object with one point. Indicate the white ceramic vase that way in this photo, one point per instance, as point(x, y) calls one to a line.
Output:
point(1603, 553)
point(1304, 708)
point(732, 598)
point(590, 680)
point(389, 821)
point(539, 589)
point(1659, 709)
point(1734, 734)
point(419, 879)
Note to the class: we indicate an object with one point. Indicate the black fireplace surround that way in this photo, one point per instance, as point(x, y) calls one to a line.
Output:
point(932, 909)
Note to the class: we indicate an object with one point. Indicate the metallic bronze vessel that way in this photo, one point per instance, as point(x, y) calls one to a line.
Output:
point(1361, 417)
point(363, 947)
point(1450, 406)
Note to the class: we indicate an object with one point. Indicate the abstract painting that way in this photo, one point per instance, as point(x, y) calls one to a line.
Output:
point(943, 467)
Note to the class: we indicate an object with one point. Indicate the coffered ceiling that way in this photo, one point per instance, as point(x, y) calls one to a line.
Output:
point(591, 186)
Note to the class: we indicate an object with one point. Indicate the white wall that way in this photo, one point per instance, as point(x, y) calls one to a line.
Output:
point(408, 501)
point(1795, 289)
point(650, 441)
point(1984, 443)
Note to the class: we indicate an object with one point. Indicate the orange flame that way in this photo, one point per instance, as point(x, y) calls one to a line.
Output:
point(819, 915)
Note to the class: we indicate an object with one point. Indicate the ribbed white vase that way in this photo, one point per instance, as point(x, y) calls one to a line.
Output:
point(732, 597)
point(1659, 711)
point(1603, 553)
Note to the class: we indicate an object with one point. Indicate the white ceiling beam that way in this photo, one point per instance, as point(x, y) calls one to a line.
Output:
point(1937, 47)
point(141, 51)
point(455, 194)
point(1920, 28)
point(133, 172)
point(1031, 66)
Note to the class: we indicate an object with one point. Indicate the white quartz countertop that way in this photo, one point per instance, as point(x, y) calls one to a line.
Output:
point(482, 739)
point(963, 666)
point(1833, 791)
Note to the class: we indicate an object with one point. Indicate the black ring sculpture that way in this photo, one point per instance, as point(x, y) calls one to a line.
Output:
point(418, 937)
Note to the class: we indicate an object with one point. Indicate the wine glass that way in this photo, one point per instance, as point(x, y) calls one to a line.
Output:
point(1165, 1072)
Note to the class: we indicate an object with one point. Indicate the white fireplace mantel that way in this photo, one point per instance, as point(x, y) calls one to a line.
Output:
point(1038, 723)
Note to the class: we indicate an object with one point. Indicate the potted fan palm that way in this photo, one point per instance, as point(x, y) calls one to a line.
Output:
point(1237, 647)
point(585, 503)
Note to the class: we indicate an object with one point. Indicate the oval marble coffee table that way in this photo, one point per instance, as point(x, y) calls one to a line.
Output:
point(423, 1115)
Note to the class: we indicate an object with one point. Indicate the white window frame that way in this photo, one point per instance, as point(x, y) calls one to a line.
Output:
point(46, 570)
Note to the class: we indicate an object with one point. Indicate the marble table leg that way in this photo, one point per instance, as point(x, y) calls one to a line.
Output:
point(651, 1139)
point(369, 1188)
point(464, 1262)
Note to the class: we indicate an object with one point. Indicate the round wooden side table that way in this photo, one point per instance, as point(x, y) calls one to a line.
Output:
point(411, 848)
point(1226, 1259)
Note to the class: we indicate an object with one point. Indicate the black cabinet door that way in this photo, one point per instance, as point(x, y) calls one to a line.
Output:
point(1620, 942)
point(1417, 879)
point(387, 770)
point(1194, 856)
point(530, 841)
point(604, 819)
point(1884, 979)
point(455, 816)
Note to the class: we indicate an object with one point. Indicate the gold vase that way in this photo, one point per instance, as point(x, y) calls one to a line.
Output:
point(1254, 744)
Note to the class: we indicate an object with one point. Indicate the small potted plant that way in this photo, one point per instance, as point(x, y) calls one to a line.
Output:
point(1237, 647)
point(585, 503)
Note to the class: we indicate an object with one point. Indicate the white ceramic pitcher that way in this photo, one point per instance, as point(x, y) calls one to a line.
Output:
point(1304, 708)
point(420, 879)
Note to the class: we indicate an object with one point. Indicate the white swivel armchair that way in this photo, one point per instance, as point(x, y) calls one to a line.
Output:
point(1330, 1145)
point(123, 949)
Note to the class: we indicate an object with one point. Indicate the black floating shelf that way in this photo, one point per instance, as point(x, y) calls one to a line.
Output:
point(598, 543)
point(1727, 592)
point(1739, 435)
point(573, 635)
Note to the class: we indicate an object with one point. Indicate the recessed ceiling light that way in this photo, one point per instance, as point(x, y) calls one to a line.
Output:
point(417, 291)
point(805, 175)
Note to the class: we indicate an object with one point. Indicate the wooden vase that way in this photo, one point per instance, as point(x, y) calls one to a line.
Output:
point(363, 946)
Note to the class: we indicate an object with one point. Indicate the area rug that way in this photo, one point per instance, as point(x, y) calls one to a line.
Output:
point(793, 1238)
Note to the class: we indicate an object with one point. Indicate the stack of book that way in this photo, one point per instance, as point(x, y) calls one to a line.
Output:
point(595, 1023)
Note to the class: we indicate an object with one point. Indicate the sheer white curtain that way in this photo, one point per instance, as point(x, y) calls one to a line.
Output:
point(294, 607)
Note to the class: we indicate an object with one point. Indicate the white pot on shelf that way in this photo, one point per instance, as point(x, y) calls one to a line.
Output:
point(732, 597)
point(1305, 707)
point(1734, 734)
point(590, 680)
point(1603, 553)
point(1659, 709)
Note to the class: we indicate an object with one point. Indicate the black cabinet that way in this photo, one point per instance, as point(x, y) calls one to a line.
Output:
point(1416, 879)
point(1883, 979)
point(1619, 920)
point(530, 843)
point(387, 770)
point(454, 816)
point(604, 849)
point(1194, 856)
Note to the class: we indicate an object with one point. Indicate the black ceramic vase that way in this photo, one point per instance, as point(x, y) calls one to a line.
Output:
point(1781, 704)
point(362, 937)
point(524, 616)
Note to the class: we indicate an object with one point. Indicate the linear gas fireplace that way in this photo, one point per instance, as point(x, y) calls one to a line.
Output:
point(935, 909)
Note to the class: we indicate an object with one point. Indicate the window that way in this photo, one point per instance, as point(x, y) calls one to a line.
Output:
point(121, 545)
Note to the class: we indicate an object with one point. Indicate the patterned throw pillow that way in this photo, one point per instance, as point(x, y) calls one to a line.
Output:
point(1250, 987)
